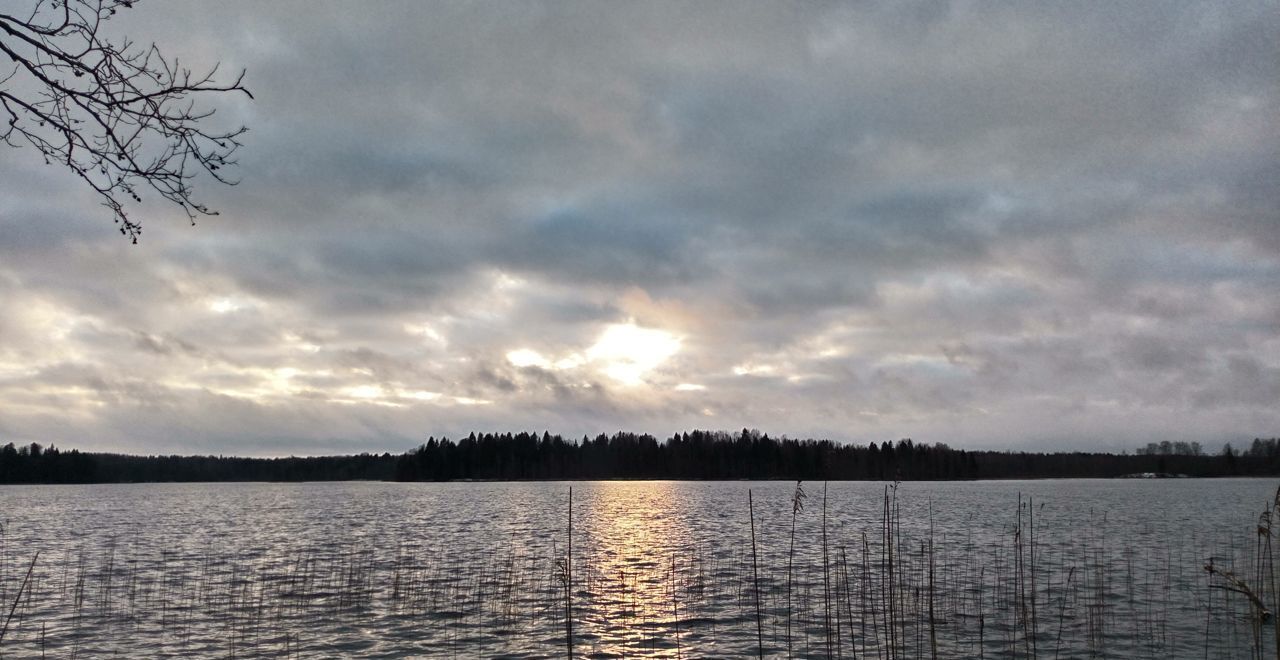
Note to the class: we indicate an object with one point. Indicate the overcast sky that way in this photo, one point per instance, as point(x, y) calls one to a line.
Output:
point(995, 225)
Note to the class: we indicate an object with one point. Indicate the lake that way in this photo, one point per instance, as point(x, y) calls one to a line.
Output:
point(999, 569)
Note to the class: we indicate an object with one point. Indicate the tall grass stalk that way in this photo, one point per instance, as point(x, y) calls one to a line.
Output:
point(1269, 561)
point(18, 597)
point(826, 575)
point(1031, 524)
point(568, 589)
point(797, 505)
point(933, 631)
point(755, 575)
point(848, 604)
point(889, 583)
point(675, 604)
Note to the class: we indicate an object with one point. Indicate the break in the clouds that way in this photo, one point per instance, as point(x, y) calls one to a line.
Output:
point(1014, 225)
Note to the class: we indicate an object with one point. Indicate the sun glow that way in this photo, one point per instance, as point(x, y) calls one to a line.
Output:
point(224, 306)
point(364, 392)
point(626, 352)
point(526, 357)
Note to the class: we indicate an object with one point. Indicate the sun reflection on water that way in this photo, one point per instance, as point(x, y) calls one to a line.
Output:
point(639, 564)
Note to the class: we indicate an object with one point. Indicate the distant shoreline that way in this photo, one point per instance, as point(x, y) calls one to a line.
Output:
point(694, 456)
point(619, 480)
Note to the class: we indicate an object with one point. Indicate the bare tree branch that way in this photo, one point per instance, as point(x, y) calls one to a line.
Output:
point(123, 118)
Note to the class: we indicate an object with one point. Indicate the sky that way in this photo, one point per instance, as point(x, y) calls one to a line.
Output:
point(1041, 226)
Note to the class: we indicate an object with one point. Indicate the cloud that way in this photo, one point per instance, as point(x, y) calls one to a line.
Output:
point(1028, 225)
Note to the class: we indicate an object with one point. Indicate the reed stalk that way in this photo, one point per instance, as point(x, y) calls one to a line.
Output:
point(675, 604)
point(18, 597)
point(755, 576)
point(826, 575)
point(797, 505)
point(848, 603)
point(1271, 570)
point(866, 587)
point(1031, 525)
point(933, 631)
point(568, 588)
point(887, 563)
point(1062, 611)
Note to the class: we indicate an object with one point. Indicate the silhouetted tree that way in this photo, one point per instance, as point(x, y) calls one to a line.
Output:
point(121, 117)
point(1229, 456)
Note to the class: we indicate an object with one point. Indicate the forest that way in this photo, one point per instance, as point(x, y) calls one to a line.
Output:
point(748, 454)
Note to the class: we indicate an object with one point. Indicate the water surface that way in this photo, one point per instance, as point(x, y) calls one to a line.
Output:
point(1054, 568)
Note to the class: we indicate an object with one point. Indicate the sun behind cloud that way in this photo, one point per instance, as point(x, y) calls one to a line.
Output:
point(626, 352)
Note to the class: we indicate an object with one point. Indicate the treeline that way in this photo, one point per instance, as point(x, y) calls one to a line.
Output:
point(33, 464)
point(694, 455)
point(1266, 450)
point(753, 455)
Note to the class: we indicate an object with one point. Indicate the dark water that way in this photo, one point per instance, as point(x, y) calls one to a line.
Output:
point(1071, 568)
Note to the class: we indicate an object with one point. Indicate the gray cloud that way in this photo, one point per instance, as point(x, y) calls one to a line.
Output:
point(1033, 225)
